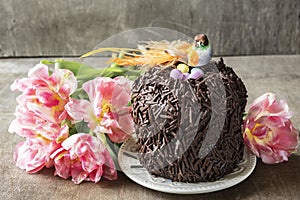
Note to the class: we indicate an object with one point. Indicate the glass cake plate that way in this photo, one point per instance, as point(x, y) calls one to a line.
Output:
point(132, 168)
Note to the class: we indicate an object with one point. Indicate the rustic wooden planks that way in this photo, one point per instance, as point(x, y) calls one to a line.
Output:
point(73, 27)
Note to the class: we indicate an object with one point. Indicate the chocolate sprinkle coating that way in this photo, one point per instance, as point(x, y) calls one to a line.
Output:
point(182, 134)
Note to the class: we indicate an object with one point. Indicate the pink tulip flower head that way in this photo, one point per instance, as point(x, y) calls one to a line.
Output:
point(84, 158)
point(268, 131)
point(34, 153)
point(46, 95)
point(107, 110)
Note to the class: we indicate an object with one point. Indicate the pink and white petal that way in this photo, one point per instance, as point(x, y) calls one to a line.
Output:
point(20, 147)
point(97, 108)
point(260, 104)
point(253, 112)
point(283, 155)
point(47, 98)
point(251, 146)
point(126, 123)
point(106, 87)
point(269, 158)
point(62, 134)
point(124, 83)
point(96, 145)
point(118, 135)
point(80, 149)
point(78, 175)
point(286, 137)
point(95, 176)
point(274, 157)
point(42, 112)
point(121, 120)
point(24, 99)
point(275, 122)
point(89, 165)
point(261, 132)
point(280, 109)
point(110, 173)
point(20, 84)
point(109, 168)
point(249, 141)
point(32, 154)
point(62, 116)
point(109, 122)
point(68, 144)
point(120, 98)
point(270, 98)
point(62, 166)
point(99, 88)
point(65, 80)
point(78, 109)
point(39, 71)
point(25, 127)
point(49, 131)
point(16, 127)
point(89, 88)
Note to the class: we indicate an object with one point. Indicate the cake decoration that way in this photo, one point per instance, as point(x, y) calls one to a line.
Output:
point(185, 111)
point(183, 73)
point(163, 53)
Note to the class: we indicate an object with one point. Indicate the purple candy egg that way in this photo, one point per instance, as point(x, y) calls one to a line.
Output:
point(196, 73)
point(176, 74)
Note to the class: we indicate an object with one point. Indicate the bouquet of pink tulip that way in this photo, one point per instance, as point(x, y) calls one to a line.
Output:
point(74, 118)
point(73, 121)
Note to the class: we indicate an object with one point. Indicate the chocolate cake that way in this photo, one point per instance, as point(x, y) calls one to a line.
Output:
point(190, 131)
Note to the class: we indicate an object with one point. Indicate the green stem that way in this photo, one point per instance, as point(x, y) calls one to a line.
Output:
point(85, 72)
point(102, 137)
point(91, 133)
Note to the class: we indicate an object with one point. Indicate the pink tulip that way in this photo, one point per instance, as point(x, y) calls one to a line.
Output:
point(46, 95)
point(34, 154)
point(268, 130)
point(107, 110)
point(84, 158)
point(28, 124)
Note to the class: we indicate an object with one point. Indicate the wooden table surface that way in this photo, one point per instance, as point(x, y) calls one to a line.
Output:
point(279, 74)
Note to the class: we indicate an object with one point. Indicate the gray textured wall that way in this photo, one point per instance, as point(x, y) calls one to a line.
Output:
point(72, 27)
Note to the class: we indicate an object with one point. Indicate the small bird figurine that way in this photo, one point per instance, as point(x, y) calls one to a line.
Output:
point(163, 53)
point(203, 49)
